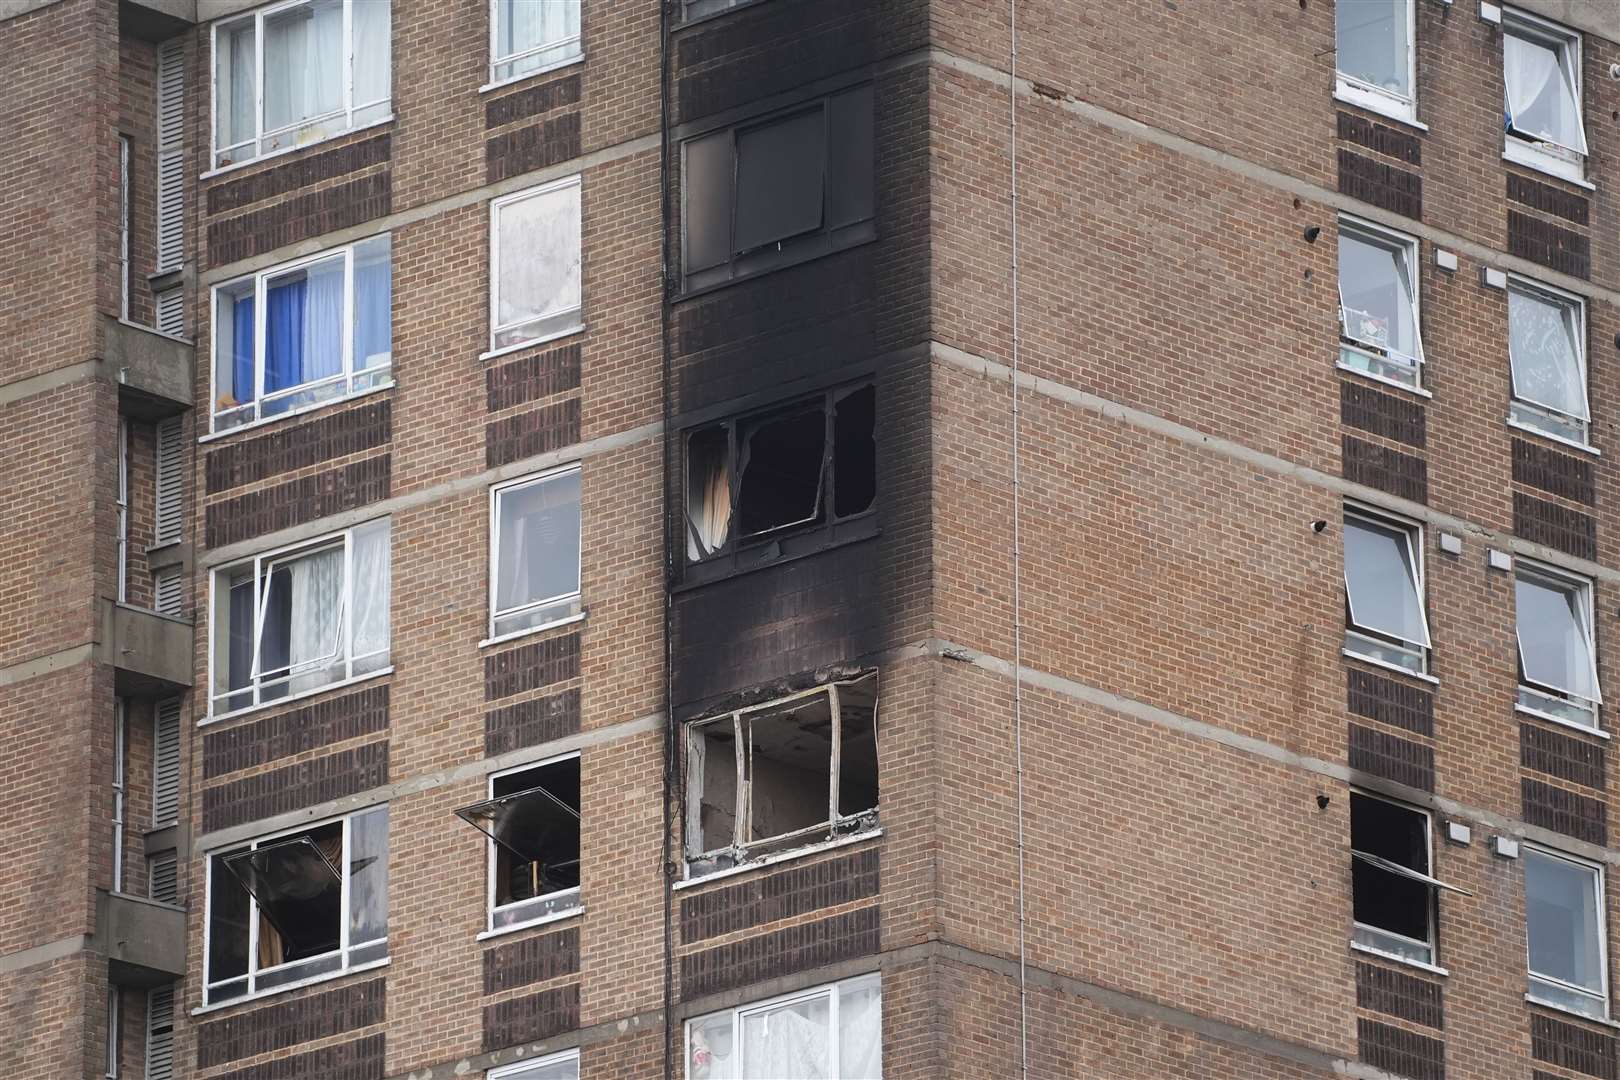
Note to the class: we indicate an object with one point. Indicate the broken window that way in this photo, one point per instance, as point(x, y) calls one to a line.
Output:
point(1557, 663)
point(773, 192)
point(532, 821)
point(534, 558)
point(802, 770)
point(1392, 887)
point(300, 619)
point(830, 1031)
point(290, 908)
point(1383, 591)
point(808, 464)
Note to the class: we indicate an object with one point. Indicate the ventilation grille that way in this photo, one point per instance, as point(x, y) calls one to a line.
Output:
point(169, 587)
point(171, 178)
point(160, 1034)
point(170, 487)
point(166, 764)
point(171, 312)
point(163, 878)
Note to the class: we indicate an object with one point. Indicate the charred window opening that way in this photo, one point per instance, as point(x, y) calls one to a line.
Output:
point(532, 821)
point(1393, 889)
point(810, 464)
point(798, 771)
point(778, 191)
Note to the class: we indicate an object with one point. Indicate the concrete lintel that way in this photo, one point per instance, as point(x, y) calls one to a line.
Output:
point(47, 664)
point(144, 941)
point(10, 9)
point(1600, 17)
point(42, 954)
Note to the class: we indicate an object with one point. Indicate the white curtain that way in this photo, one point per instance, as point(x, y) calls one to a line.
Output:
point(303, 63)
point(371, 590)
point(860, 1034)
point(529, 24)
point(372, 53)
point(539, 257)
point(1541, 353)
point(711, 511)
point(790, 1042)
point(236, 84)
point(316, 617)
point(1541, 101)
point(323, 321)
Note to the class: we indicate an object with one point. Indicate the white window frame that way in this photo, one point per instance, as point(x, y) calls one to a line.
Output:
point(568, 603)
point(573, 326)
point(517, 1069)
point(1349, 89)
point(1565, 162)
point(347, 111)
point(343, 537)
point(1387, 943)
point(356, 380)
point(495, 60)
point(1541, 419)
point(1369, 645)
point(558, 906)
point(254, 972)
point(1369, 360)
point(833, 992)
point(1548, 703)
point(1600, 884)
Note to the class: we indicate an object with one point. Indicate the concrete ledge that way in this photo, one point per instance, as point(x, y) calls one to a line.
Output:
point(144, 941)
point(151, 653)
point(1598, 17)
point(153, 371)
point(155, 20)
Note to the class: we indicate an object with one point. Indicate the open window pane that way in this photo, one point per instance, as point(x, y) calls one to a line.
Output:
point(857, 756)
point(1545, 348)
point(1381, 581)
point(301, 627)
point(534, 821)
point(1374, 45)
point(1563, 916)
point(1393, 911)
point(780, 179)
point(1375, 287)
point(780, 462)
point(855, 451)
point(537, 265)
point(1540, 82)
point(298, 890)
point(537, 552)
point(533, 34)
point(1554, 631)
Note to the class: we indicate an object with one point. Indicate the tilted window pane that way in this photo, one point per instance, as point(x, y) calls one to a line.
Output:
point(1381, 582)
point(1382, 899)
point(1544, 353)
point(1554, 650)
point(780, 180)
point(539, 527)
point(1376, 292)
point(1373, 45)
point(1562, 920)
point(303, 63)
point(299, 893)
point(789, 1042)
point(1540, 91)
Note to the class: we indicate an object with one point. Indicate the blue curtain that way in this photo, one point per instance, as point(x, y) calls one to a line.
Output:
point(242, 360)
point(284, 331)
point(373, 311)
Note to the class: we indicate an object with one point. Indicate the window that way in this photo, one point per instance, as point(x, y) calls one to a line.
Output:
point(1383, 591)
point(532, 821)
point(534, 268)
point(298, 905)
point(831, 1031)
point(115, 1030)
point(1563, 910)
point(534, 552)
point(1393, 892)
point(1541, 76)
point(753, 482)
point(794, 772)
point(1557, 658)
point(696, 9)
point(302, 334)
point(1375, 55)
point(778, 191)
point(526, 36)
point(1547, 357)
point(300, 619)
point(563, 1066)
point(1379, 333)
point(292, 74)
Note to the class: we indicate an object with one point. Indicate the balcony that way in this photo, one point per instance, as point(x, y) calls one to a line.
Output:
point(153, 371)
point(151, 653)
point(144, 941)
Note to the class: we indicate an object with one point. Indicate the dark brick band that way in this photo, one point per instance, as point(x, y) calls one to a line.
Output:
point(1567, 757)
point(1550, 245)
point(1404, 475)
point(525, 149)
point(1543, 522)
point(781, 952)
point(294, 787)
point(530, 723)
point(285, 734)
point(527, 1019)
point(531, 433)
point(333, 435)
point(1381, 184)
point(1395, 993)
point(532, 377)
point(299, 218)
point(781, 895)
point(1572, 1047)
point(532, 102)
point(1391, 757)
point(309, 498)
point(1548, 199)
point(292, 1023)
point(1381, 138)
point(1390, 702)
point(1564, 475)
point(531, 960)
point(1396, 1050)
point(530, 667)
point(1553, 808)
point(362, 1059)
point(1382, 414)
point(299, 173)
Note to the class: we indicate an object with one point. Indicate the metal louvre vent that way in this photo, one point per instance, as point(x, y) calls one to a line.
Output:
point(171, 165)
point(163, 878)
point(171, 312)
point(160, 1034)
point(170, 482)
point(166, 764)
point(170, 593)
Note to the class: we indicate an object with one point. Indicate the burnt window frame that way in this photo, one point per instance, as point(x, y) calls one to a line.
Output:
point(1380, 940)
point(685, 17)
point(739, 553)
point(800, 248)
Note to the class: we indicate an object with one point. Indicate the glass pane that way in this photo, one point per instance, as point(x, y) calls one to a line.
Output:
point(1373, 45)
point(1383, 899)
point(372, 53)
point(1562, 920)
point(849, 157)
point(710, 1054)
point(534, 821)
point(1553, 648)
point(227, 923)
point(860, 1032)
point(373, 304)
point(303, 63)
point(303, 326)
point(368, 876)
point(233, 346)
point(372, 588)
point(538, 265)
point(566, 1069)
point(299, 893)
point(1381, 582)
point(788, 1042)
point(233, 642)
point(1377, 299)
point(779, 180)
point(234, 88)
point(706, 230)
point(538, 541)
point(546, 29)
point(1542, 348)
point(1540, 95)
point(781, 459)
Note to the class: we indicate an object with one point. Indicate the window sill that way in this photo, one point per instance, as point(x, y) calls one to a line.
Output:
point(520, 346)
point(260, 995)
point(272, 155)
point(217, 718)
point(692, 292)
point(1585, 448)
point(1531, 158)
point(1374, 103)
point(1541, 1003)
point(779, 857)
point(1432, 969)
point(532, 630)
point(501, 84)
point(1560, 721)
point(555, 916)
point(1387, 666)
point(1407, 387)
point(266, 421)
